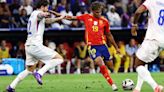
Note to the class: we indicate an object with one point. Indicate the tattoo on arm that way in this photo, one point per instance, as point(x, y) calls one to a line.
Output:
point(42, 15)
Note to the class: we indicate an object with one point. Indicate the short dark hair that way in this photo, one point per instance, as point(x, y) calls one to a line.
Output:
point(97, 5)
point(40, 3)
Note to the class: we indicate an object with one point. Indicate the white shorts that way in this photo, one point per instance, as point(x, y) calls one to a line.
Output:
point(34, 53)
point(149, 50)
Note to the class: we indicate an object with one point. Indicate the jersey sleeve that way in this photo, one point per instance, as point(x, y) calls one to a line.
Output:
point(107, 27)
point(82, 17)
point(147, 4)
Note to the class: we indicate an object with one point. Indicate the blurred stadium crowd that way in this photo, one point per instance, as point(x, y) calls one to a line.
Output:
point(15, 13)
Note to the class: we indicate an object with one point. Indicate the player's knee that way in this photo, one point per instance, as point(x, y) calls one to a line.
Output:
point(138, 62)
point(99, 61)
point(31, 68)
point(57, 56)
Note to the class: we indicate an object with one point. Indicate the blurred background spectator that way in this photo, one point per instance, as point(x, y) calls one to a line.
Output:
point(4, 50)
point(63, 52)
point(5, 15)
point(82, 58)
point(118, 12)
point(113, 16)
point(23, 18)
point(131, 48)
point(26, 4)
point(121, 58)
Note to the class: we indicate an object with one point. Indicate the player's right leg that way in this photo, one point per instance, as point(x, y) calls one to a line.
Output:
point(145, 54)
point(30, 67)
point(96, 54)
point(20, 77)
point(104, 71)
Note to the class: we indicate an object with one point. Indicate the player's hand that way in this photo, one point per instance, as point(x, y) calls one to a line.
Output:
point(134, 30)
point(68, 17)
point(62, 16)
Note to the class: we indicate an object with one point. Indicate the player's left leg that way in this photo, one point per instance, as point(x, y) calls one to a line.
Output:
point(148, 51)
point(48, 65)
point(104, 70)
point(49, 57)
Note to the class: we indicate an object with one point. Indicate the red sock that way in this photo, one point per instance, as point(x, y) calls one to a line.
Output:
point(106, 75)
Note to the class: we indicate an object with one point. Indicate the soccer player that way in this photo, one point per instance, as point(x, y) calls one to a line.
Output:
point(35, 50)
point(97, 29)
point(153, 42)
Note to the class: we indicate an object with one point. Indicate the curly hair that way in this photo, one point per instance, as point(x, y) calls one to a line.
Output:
point(97, 5)
point(40, 3)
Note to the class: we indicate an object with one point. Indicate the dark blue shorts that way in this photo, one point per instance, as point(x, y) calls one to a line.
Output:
point(99, 50)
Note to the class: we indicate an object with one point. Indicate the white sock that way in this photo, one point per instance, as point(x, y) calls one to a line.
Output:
point(92, 71)
point(51, 63)
point(78, 71)
point(139, 83)
point(59, 69)
point(146, 76)
point(20, 77)
point(98, 70)
point(52, 70)
point(68, 67)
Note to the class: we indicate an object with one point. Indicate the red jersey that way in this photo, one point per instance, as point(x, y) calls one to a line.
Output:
point(94, 29)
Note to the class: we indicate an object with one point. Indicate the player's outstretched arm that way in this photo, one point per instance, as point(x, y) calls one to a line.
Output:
point(53, 20)
point(40, 16)
point(55, 13)
point(137, 15)
point(71, 17)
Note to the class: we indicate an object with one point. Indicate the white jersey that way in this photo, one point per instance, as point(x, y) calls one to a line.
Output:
point(35, 29)
point(156, 20)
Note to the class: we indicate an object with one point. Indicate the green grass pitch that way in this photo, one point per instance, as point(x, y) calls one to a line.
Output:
point(76, 83)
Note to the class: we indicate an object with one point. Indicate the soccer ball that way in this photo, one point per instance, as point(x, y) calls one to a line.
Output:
point(127, 84)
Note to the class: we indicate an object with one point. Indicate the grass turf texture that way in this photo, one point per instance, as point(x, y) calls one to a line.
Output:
point(76, 83)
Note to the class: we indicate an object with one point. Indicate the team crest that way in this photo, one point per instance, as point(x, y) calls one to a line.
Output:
point(95, 23)
point(90, 19)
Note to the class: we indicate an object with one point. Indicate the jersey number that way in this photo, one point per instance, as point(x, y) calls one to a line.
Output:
point(95, 28)
point(161, 17)
point(28, 28)
point(29, 25)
